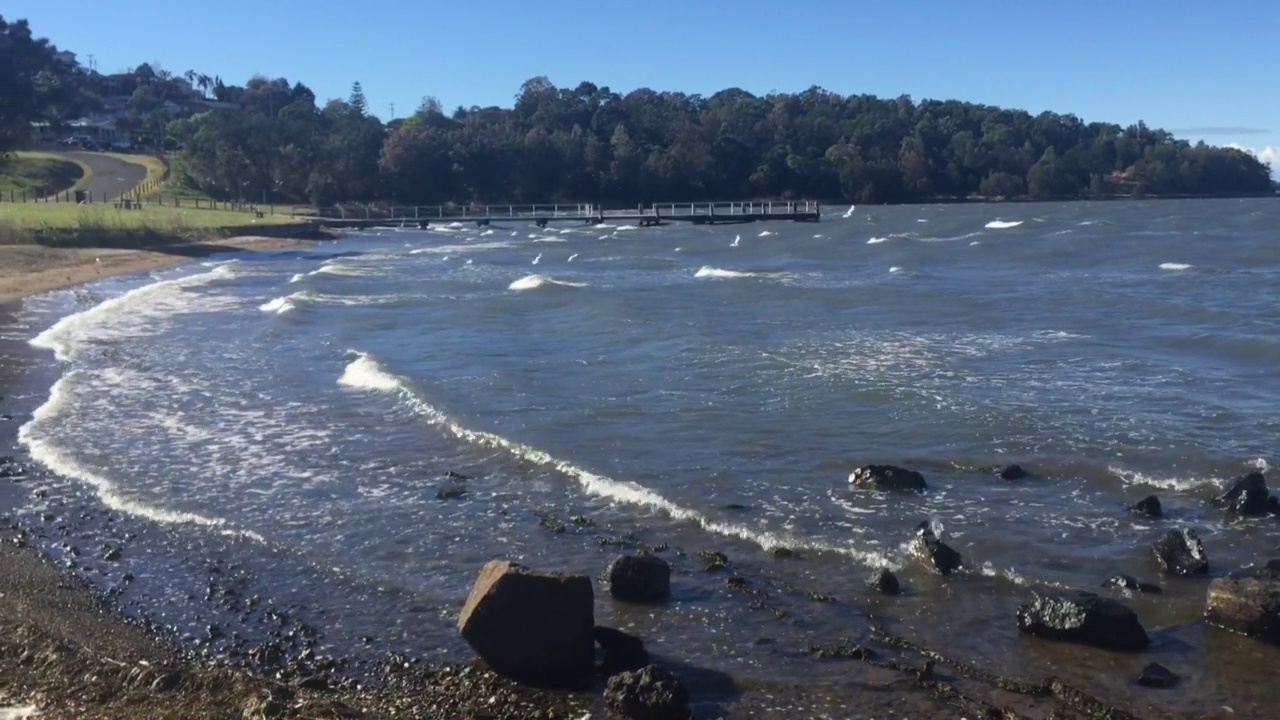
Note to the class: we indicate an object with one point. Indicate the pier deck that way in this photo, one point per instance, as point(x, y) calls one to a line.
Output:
point(705, 213)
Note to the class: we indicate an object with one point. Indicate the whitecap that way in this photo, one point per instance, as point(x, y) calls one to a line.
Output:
point(533, 282)
point(369, 374)
point(1003, 224)
point(1175, 266)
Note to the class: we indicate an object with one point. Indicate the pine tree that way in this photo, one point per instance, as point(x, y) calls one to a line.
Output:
point(359, 106)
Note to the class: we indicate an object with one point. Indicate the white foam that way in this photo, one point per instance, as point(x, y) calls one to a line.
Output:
point(736, 239)
point(895, 269)
point(278, 305)
point(1133, 477)
point(876, 240)
point(43, 450)
point(1003, 224)
point(766, 233)
point(462, 248)
point(571, 257)
point(707, 271)
point(1175, 266)
point(533, 282)
point(371, 375)
point(543, 239)
point(299, 277)
point(140, 311)
point(849, 213)
point(620, 228)
point(347, 270)
point(486, 232)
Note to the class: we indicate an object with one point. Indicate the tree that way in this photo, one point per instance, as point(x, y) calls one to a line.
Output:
point(34, 85)
point(359, 106)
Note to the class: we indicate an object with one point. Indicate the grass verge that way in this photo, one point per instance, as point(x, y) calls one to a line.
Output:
point(70, 225)
point(40, 174)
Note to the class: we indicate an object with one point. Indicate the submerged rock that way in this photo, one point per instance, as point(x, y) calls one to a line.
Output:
point(935, 554)
point(1148, 506)
point(650, 693)
point(531, 626)
point(884, 581)
point(1129, 582)
point(1247, 602)
point(1156, 675)
point(1180, 552)
point(1248, 495)
point(639, 578)
point(1084, 618)
point(887, 477)
point(1013, 472)
point(623, 652)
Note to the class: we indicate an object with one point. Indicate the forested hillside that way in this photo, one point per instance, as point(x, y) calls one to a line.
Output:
point(271, 139)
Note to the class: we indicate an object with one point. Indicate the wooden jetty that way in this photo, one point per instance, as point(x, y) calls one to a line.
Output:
point(644, 215)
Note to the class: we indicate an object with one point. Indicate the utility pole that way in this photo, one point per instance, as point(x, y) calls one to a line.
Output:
point(393, 112)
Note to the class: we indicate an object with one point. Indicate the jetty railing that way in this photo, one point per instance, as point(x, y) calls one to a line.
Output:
point(747, 209)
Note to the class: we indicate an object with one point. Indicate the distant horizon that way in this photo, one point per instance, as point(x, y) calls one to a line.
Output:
point(1033, 58)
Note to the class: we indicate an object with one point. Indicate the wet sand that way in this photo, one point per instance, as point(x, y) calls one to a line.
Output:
point(66, 650)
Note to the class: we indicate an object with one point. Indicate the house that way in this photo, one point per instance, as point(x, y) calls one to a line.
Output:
point(67, 57)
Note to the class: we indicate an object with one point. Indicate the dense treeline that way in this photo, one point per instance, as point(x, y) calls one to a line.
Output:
point(591, 144)
point(34, 87)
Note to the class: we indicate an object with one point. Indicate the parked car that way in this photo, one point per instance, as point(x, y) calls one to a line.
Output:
point(121, 144)
point(79, 141)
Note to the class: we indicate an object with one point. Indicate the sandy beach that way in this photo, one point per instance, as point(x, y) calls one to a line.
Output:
point(31, 269)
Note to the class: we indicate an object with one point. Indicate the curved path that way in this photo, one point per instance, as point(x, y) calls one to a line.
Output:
point(111, 177)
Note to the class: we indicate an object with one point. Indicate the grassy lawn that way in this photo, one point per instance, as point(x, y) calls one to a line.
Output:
point(153, 217)
point(41, 174)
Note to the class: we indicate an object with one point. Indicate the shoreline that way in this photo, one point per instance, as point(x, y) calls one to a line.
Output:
point(69, 651)
point(34, 269)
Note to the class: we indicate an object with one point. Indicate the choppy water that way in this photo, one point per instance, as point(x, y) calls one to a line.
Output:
point(294, 413)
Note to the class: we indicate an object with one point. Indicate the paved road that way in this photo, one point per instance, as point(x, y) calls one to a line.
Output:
point(111, 177)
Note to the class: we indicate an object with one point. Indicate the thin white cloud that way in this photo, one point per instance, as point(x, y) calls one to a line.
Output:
point(1269, 155)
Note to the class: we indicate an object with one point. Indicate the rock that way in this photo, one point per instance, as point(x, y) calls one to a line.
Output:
point(1129, 582)
point(1156, 675)
point(1084, 618)
point(887, 477)
point(639, 578)
point(623, 652)
point(650, 693)
point(1013, 472)
point(111, 554)
point(530, 626)
point(451, 493)
point(451, 475)
point(935, 554)
point(1148, 506)
point(885, 581)
point(1180, 553)
point(1247, 496)
point(1247, 602)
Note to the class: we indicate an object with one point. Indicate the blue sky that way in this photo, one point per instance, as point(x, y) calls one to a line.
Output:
point(1205, 70)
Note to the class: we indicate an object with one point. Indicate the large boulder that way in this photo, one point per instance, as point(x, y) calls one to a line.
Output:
point(1247, 602)
point(1248, 495)
point(530, 626)
point(887, 477)
point(1180, 552)
point(639, 578)
point(650, 693)
point(1084, 618)
point(932, 552)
